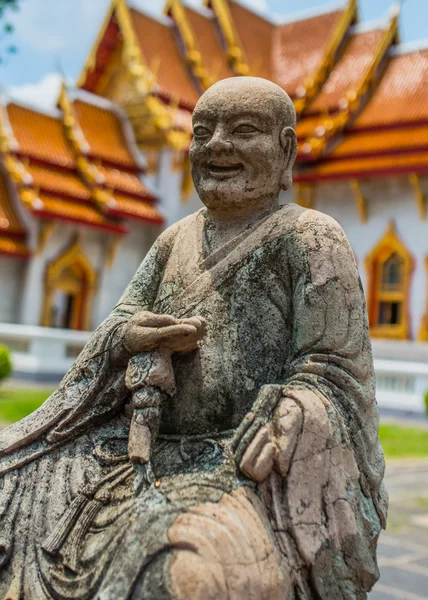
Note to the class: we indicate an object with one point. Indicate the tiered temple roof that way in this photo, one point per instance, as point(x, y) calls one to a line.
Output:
point(78, 163)
point(360, 96)
point(390, 134)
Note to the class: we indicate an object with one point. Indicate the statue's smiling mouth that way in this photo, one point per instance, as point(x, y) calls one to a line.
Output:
point(224, 170)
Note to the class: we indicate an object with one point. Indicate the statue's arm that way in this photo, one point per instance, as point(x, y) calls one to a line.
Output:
point(94, 386)
point(328, 384)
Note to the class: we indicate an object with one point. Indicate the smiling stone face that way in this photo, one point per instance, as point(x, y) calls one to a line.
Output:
point(243, 143)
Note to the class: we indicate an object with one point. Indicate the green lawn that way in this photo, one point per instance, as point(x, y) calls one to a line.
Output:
point(16, 404)
point(403, 442)
point(397, 441)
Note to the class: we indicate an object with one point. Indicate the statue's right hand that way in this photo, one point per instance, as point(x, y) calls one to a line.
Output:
point(146, 331)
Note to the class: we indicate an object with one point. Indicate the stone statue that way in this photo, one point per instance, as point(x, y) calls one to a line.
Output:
point(217, 437)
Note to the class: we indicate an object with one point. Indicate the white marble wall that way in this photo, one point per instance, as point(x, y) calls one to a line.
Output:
point(114, 280)
point(11, 280)
point(386, 200)
point(168, 184)
point(94, 244)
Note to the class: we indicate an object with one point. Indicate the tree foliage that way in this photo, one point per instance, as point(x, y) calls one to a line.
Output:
point(5, 362)
point(6, 28)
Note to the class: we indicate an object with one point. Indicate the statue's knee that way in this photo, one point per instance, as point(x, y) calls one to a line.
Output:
point(194, 578)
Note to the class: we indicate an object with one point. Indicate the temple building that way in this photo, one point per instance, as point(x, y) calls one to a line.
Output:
point(85, 190)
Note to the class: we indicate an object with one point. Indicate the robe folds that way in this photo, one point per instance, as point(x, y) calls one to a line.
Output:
point(287, 341)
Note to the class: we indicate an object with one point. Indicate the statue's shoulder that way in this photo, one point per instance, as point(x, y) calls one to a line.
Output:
point(169, 235)
point(311, 225)
point(318, 239)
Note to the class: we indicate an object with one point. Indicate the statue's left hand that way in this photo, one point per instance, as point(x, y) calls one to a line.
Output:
point(273, 444)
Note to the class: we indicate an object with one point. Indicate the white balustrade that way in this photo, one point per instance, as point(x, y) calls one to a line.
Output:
point(401, 384)
point(41, 353)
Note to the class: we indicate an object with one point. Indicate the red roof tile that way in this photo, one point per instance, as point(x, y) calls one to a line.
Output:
point(299, 47)
point(161, 54)
point(214, 57)
point(401, 96)
point(103, 130)
point(350, 70)
point(58, 181)
point(40, 136)
point(125, 182)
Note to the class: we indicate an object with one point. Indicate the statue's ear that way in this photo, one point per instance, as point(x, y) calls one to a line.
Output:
point(289, 145)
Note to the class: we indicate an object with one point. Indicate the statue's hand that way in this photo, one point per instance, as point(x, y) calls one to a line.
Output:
point(272, 445)
point(147, 331)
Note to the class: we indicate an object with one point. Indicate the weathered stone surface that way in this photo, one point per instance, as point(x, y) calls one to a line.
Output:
point(217, 437)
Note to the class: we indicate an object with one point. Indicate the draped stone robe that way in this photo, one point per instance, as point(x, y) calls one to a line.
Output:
point(286, 324)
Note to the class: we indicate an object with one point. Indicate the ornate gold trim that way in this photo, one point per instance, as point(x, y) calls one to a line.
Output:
point(113, 249)
point(235, 50)
point(91, 60)
point(359, 200)
point(423, 332)
point(45, 232)
point(305, 194)
point(317, 141)
point(193, 54)
point(7, 139)
point(187, 186)
point(157, 115)
point(72, 256)
point(419, 195)
point(389, 244)
point(313, 84)
point(17, 170)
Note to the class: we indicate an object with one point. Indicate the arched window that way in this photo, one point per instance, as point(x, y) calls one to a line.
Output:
point(70, 281)
point(423, 333)
point(389, 266)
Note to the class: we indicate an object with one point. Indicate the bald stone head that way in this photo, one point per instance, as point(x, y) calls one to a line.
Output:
point(244, 144)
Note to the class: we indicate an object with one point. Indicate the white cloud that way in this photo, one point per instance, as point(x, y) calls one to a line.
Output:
point(57, 25)
point(261, 5)
point(42, 94)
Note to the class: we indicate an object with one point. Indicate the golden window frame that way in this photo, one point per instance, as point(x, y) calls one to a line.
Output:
point(389, 244)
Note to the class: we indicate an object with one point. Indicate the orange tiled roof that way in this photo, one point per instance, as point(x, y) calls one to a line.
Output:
point(401, 96)
point(58, 181)
point(13, 245)
point(365, 167)
point(306, 126)
point(137, 209)
point(103, 130)
point(12, 234)
point(123, 181)
point(214, 57)
point(161, 53)
point(299, 47)
point(9, 221)
point(350, 70)
point(255, 34)
point(39, 136)
point(381, 142)
point(73, 211)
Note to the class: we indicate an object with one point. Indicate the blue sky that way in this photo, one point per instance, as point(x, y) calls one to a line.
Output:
point(53, 32)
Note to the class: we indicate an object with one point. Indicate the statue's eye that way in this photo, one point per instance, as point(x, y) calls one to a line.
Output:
point(200, 131)
point(245, 128)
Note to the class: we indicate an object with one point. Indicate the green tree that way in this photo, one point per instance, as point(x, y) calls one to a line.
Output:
point(6, 27)
point(5, 362)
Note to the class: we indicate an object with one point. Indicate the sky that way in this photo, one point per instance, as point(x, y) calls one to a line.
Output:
point(55, 36)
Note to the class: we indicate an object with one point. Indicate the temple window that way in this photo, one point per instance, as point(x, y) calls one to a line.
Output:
point(70, 281)
point(389, 267)
point(423, 333)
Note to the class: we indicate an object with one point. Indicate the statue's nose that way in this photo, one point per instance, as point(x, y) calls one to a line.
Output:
point(219, 143)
